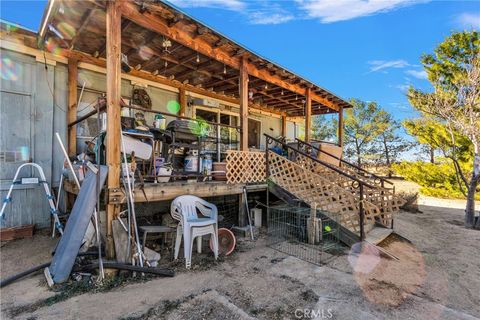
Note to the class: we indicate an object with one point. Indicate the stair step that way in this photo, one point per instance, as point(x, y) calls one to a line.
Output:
point(377, 235)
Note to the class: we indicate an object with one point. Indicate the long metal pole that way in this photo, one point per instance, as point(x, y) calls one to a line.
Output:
point(130, 196)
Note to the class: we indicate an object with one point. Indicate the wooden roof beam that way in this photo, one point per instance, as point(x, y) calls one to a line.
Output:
point(82, 57)
point(152, 22)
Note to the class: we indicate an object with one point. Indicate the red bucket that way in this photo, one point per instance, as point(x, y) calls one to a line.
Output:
point(226, 241)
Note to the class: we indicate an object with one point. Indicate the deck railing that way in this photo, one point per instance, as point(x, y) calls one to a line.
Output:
point(348, 166)
point(246, 166)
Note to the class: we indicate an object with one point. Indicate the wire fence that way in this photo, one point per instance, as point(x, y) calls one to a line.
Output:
point(296, 232)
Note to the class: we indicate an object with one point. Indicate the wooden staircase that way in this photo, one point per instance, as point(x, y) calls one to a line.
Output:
point(356, 204)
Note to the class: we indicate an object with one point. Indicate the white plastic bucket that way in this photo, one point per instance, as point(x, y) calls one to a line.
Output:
point(163, 171)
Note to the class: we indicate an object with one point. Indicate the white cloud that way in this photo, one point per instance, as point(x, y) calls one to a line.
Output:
point(339, 10)
point(234, 5)
point(377, 65)
point(419, 74)
point(260, 17)
point(468, 20)
point(403, 87)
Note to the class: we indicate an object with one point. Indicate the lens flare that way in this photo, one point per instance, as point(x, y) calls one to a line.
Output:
point(67, 30)
point(173, 106)
point(11, 27)
point(24, 153)
point(145, 52)
point(199, 127)
point(363, 257)
point(389, 273)
point(11, 70)
point(52, 46)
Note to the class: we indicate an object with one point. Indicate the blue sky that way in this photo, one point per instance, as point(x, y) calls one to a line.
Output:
point(367, 49)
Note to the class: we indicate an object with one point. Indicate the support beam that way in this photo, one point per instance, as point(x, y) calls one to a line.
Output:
point(113, 49)
point(72, 105)
point(82, 57)
point(154, 23)
point(308, 114)
point(340, 127)
point(243, 87)
point(284, 126)
point(182, 99)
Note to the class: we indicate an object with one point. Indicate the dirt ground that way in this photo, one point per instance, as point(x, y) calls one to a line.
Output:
point(437, 276)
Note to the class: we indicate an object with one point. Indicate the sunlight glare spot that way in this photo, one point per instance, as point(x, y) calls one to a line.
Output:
point(173, 106)
point(10, 69)
point(145, 52)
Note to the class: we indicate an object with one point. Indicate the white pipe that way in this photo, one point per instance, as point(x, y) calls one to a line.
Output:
point(81, 93)
point(130, 196)
point(68, 159)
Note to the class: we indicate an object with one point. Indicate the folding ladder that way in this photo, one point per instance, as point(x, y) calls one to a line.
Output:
point(30, 181)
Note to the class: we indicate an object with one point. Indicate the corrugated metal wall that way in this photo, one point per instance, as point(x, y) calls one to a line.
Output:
point(29, 118)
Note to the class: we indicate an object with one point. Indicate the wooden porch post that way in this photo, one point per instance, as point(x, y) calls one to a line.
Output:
point(113, 49)
point(72, 106)
point(182, 99)
point(340, 127)
point(308, 114)
point(243, 85)
point(284, 126)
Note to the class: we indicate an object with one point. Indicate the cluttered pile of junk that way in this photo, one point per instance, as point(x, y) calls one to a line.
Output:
point(157, 152)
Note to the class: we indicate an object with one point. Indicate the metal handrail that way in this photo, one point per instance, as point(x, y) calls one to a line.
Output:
point(325, 164)
point(343, 161)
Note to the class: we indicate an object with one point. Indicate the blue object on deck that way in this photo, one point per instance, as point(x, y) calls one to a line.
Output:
point(70, 242)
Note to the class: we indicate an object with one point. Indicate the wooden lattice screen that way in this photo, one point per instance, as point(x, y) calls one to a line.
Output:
point(383, 198)
point(328, 196)
point(246, 166)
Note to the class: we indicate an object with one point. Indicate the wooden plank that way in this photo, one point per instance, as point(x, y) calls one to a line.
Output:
point(113, 49)
point(243, 85)
point(72, 106)
point(377, 235)
point(308, 115)
point(171, 190)
point(82, 57)
point(177, 33)
point(284, 126)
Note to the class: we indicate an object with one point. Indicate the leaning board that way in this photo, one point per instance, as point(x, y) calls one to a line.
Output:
point(70, 242)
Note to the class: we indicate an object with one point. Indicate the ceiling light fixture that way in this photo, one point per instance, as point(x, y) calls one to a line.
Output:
point(166, 44)
point(224, 69)
point(198, 58)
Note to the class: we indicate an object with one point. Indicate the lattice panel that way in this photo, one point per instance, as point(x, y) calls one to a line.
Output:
point(383, 198)
point(246, 166)
point(311, 187)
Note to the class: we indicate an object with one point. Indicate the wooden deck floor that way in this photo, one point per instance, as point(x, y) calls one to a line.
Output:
point(171, 190)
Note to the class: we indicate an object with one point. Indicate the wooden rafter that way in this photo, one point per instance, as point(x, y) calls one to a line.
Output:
point(156, 24)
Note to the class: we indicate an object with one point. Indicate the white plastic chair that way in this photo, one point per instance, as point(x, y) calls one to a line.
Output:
point(184, 209)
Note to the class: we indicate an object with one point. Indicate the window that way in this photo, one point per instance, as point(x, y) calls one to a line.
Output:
point(227, 137)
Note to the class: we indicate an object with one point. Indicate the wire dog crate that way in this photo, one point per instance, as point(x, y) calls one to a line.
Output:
point(292, 230)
